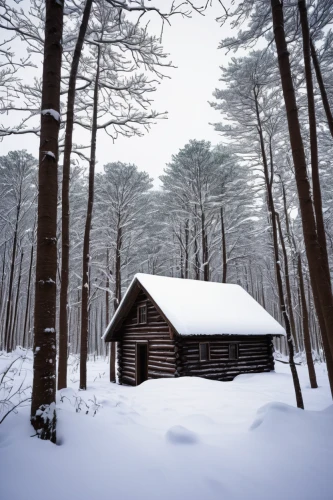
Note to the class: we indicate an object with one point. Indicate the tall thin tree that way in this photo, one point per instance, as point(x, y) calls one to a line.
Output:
point(43, 409)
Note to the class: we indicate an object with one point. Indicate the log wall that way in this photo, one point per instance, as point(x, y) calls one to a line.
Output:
point(179, 357)
point(156, 332)
point(255, 355)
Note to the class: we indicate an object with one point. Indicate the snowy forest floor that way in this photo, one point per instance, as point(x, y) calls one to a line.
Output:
point(185, 438)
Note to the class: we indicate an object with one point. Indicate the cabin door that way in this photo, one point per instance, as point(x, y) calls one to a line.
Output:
point(141, 363)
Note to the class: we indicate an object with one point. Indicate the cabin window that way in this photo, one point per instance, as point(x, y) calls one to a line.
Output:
point(204, 351)
point(142, 314)
point(233, 351)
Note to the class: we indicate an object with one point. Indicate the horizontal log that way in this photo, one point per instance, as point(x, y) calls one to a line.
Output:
point(146, 337)
point(129, 380)
point(255, 356)
point(162, 368)
point(150, 337)
point(128, 352)
point(128, 369)
point(224, 364)
point(152, 333)
point(128, 343)
point(168, 359)
point(128, 364)
point(155, 317)
point(161, 364)
point(253, 349)
point(190, 356)
point(159, 375)
point(161, 347)
point(229, 370)
point(162, 341)
point(146, 328)
point(128, 361)
point(190, 351)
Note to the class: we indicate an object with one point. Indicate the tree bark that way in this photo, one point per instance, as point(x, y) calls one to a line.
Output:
point(317, 198)
point(13, 344)
point(271, 209)
point(186, 248)
point(118, 266)
point(6, 338)
point(2, 282)
point(107, 318)
point(224, 250)
point(28, 297)
point(287, 280)
point(322, 88)
point(196, 250)
point(107, 287)
point(43, 412)
point(306, 330)
point(86, 242)
point(204, 244)
point(117, 300)
point(320, 281)
point(63, 304)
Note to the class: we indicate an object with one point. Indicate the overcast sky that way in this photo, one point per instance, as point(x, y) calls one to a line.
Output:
point(193, 48)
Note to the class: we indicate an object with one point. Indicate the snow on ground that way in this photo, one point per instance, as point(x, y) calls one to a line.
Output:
point(184, 438)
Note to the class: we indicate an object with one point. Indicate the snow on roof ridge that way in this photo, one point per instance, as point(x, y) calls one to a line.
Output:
point(205, 308)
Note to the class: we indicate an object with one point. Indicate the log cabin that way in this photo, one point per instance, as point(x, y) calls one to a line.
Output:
point(172, 327)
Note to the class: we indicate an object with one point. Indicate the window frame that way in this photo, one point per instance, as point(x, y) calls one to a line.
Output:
point(208, 351)
point(142, 306)
point(236, 353)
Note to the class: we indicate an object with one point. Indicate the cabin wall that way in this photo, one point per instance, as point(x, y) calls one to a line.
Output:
point(161, 349)
point(255, 355)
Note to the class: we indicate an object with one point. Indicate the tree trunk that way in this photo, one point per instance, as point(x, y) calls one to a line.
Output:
point(271, 209)
point(14, 338)
point(6, 339)
point(43, 413)
point(306, 330)
point(107, 319)
point(107, 287)
point(118, 267)
point(196, 253)
point(321, 85)
point(27, 306)
point(2, 282)
point(117, 300)
point(205, 263)
point(186, 248)
point(287, 280)
point(320, 281)
point(86, 242)
point(317, 199)
point(224, 250)
point(63, 304)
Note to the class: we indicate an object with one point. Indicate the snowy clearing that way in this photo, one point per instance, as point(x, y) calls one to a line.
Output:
point(185, 438)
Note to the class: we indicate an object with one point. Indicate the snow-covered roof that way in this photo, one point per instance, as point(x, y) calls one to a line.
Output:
point(203, 308)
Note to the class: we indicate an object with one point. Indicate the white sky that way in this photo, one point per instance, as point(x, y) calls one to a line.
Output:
point(192, 45)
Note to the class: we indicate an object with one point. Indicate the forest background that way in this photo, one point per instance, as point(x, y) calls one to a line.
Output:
point(238, 209)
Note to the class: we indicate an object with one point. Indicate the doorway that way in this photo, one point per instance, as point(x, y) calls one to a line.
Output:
point(141, 363)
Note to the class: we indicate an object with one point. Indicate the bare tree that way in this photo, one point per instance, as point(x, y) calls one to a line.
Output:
point(43, 410)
